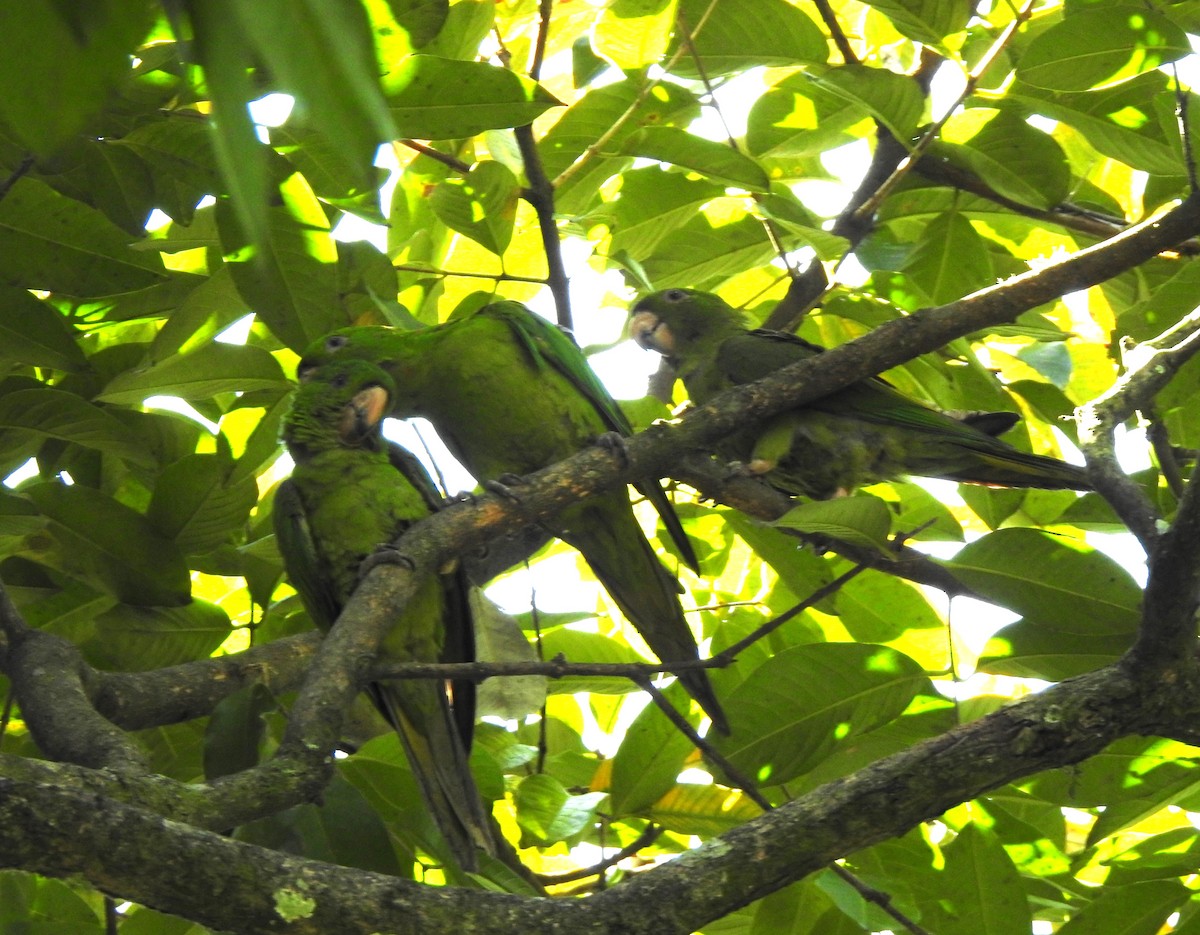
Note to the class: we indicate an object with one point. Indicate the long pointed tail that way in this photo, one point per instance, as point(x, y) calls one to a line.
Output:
point(605, 531)
point(421, 716)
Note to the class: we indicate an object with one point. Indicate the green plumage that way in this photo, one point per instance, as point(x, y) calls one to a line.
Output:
point(864, 433)
point(509, 394)
point(347, 495)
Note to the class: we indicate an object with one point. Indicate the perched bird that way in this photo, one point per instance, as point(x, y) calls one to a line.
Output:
point(861, 434)
point(345, 498)
point(509, 393)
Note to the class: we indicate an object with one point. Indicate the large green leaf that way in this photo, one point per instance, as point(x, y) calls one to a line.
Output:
point(107, 542)
point(322, 51)
point(145, 638)
point(197, 504)
point(1140, 909)
point(34, 332)
point(54, 414)
point(289, 277)
point(732, 37)
point(716, 161)
point(548, 813)
point(951, 260)
point(434, 98)
point(1060, 582)
point(214, 368)
point(634, 33)
point(927, 21)
point(894, 100)
point(483, 205)
point(56, 243)
point(797, 707)
point(700, 252)
point(649, 761)
point(983, 892)
point(797, 117)
point(1093, 47)
point(60, 63)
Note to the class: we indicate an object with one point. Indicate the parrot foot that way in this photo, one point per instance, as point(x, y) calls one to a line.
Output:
point(385, 554)
point(503, 486)
point(614, 442)
point(463, 496)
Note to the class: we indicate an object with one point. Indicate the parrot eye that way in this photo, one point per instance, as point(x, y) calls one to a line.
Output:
point(675, 295)
point(335, 342)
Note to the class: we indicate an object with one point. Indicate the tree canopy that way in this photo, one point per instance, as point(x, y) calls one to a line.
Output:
point(954, 709)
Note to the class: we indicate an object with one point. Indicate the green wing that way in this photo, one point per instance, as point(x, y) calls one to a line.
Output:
point(549, 346)
point(295, 543)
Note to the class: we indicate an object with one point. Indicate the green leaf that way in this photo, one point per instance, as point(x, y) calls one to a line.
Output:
point(859, 520)
point(732, 37)
point(436, 98)
point(224, 51)
point(1093, 47)
point(634, 33)
point(652, 203)
point(107, 541)
point(797, 117)
point(1052, 580)
point(581, 646)
point(700, 252)
point(895, 100)
point(196, 504)
point(50, 413)
point(801, 704)
point(927, 21)
point(60, 63)
point(58, 244)
point(595, 115)
point(179, 151)
point(235, 730)
point(1034, 649)
point(717, 161)
point(1015, 159)
point(289, 277)
point(343, 830)
point(1132, 121)
point(983, 892)
point(143, 638)
point(1140, 909)
point(34, 332)
point(649, 760)
point(483, 206)
point(950, 260)
point(702, 809)
point(214, 368)
point(322, 51)
point(879, 608)
point(547, 813)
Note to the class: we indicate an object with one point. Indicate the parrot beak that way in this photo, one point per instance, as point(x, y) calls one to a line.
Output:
point(363, 413)
point(651, 332)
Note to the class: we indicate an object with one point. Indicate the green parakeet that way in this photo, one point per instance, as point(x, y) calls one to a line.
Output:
point(509, 394)
point(349, 494)
point(864, 433)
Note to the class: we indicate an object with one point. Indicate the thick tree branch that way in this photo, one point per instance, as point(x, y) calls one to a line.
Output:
point(134, 854)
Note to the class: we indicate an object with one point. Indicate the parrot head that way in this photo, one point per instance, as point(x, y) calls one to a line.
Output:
point(348, 396)
point(674, 320)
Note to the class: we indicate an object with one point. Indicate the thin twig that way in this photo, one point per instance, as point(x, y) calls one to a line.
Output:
point(649, 835)
point(829, 18)
point(540, 193)
point(23, 166)
point(497, 277)
point(735, 776)
point(444, 158)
